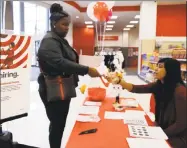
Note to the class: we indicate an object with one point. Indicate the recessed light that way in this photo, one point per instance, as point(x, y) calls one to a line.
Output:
point(89, 26)
point(133, 22)
point(130, 26)
point(77, 16)
point(126, 28)
point(111, 22)
point(88, 22)
point(114, 17)
point(137, 17)
point(109, 26)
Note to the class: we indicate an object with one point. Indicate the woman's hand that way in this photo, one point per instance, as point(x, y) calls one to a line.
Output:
point(92, 72)
point(114, 79)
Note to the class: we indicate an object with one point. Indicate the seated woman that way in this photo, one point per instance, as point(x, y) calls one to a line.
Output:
point(170, 97)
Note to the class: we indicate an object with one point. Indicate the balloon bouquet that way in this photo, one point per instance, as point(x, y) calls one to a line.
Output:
point(101, 12)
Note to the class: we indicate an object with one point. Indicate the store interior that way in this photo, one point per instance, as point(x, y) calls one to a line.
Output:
point(138, 35)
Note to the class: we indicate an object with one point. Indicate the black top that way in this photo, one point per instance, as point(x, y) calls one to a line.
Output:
point(56, 57)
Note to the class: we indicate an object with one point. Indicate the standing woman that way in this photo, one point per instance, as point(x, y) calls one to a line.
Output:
point(57, 59)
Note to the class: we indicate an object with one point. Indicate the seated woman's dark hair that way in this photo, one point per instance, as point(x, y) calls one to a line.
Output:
point(173, 71)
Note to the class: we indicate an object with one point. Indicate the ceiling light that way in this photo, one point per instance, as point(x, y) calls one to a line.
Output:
point(111, 22)
point(133, 22)
point(130, 26)
point(89, 26)
point(88, 22)
point(126, 28)
point(77, 16)
point(110, 26)
point(137, 17)
point(114, 17)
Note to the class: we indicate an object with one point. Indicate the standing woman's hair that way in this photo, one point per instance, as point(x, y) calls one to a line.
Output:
point(57, 13)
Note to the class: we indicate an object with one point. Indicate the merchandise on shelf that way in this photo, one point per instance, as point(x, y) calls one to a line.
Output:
point(176, 53)
point(183, 66)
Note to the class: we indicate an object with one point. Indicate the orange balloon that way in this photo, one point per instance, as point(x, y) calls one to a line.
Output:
point(101, 11)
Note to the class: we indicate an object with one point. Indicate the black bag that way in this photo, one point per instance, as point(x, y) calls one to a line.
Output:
point(59, 88)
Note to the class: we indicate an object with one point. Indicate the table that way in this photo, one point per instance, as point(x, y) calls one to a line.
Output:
point(110, 134)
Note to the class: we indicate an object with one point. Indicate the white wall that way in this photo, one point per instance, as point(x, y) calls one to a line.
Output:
point(134, 37)
point(125, 39)
point(69, 36)
point(148, 16)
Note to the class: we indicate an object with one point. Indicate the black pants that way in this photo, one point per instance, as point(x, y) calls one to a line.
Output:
point(57, 113)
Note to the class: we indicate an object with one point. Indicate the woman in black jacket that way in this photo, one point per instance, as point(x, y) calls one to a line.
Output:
point(57, 58)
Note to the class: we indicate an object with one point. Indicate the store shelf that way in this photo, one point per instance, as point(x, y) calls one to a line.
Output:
point(151, 70)
point(153, 62)
point(144, 79)
point(165, 56)
point(183, 70)
point(182, 60)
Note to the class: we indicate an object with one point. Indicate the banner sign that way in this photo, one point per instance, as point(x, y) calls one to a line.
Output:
point(15, 61)
point(108, 38)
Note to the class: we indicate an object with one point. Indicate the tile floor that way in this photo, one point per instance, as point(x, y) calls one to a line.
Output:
point(33, 130)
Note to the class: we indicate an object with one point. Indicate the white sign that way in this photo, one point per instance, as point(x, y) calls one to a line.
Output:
point(15, 64)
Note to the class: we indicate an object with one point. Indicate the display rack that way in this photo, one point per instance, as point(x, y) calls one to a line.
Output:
point(149, 61)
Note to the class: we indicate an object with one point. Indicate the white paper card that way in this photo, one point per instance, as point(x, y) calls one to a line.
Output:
point(134, 113)
point(129, 103)
point(135, 120)
point(92, 103)
point(89, 110)
point(88, 118)
point(146, 143)
point(147, 132)
point(114, 115)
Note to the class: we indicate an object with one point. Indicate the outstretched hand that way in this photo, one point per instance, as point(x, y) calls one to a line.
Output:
point(112, 78)
point(92, 72)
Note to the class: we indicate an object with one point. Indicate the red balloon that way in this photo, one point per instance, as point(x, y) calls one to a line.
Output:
point(110, 12)
point(101, 11)
point(109, 15)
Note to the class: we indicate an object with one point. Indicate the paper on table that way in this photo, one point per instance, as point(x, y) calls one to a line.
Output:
point(147, 132)
point(88, 118)
point(90, 110)
point(134, 113)
point(92, 103)
point(114, 115)
point(135, 120)
point(146, 143)
point(129, 103)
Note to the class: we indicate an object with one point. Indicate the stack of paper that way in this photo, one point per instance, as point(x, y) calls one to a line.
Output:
point(88, 118)
point(114, 115)
point(92, 103)
point(135, 117)
point(147, 132)
point(89, 110)
point(135, 120)
point(146, 143)
point(131, 103)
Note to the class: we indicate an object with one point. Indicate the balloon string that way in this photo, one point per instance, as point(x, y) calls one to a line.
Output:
point(100, 36)
point(97, 35)
point(104, 34)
